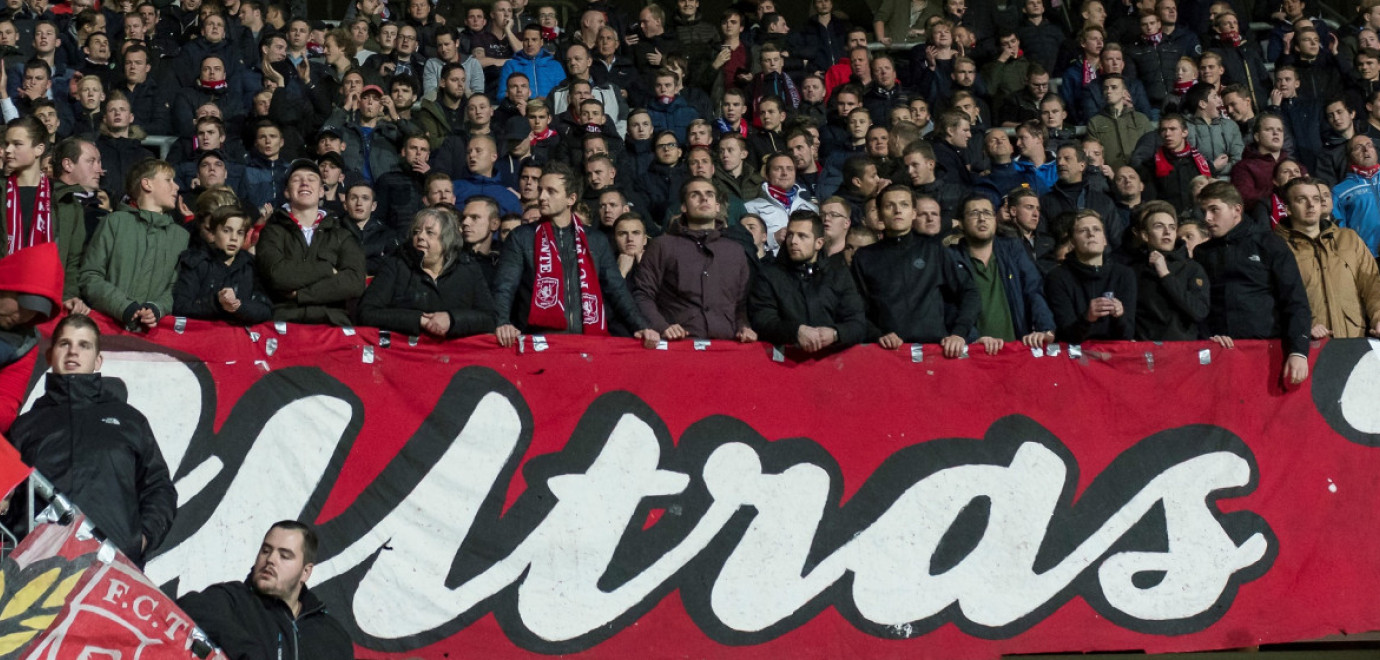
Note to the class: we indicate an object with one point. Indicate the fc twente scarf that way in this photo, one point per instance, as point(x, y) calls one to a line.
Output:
point(1089, 71)
point(1156, 38)
point(41, 229)
point(1181, 87)
point(214, 85)
point(1233, 38)
point(1366, 172)
point(1163, 167)
point(1278, 211)
point(548, 295)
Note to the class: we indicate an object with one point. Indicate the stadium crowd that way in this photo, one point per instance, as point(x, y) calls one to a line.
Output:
point(993, 172)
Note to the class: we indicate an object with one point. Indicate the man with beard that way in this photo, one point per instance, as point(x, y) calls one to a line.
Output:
point(693, 281)
point(807, 299)
point(1011, 289)
point(1072, 193)
point(272, 612)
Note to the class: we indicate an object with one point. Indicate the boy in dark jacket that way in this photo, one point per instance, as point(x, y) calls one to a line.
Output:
point(1172, 289)
point(216, 281)
point(1092, 298)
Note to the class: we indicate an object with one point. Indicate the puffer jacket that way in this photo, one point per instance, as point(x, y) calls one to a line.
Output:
point(1222, 136)
point(402, 292)
point(543, 73)
point(1340, 275)
point(786, 295)
point(99, 451)
point(310, 283)
point(202, 273)
point(1256, 289)
point(696, 279)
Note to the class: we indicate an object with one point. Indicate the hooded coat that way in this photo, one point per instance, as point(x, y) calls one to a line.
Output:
point(543, 73)
point(1340, 276)
point(402, 292)
point(310, 282)
point(696, 279)
point(202, 273)
point(100, 452)
point(35, 271)
point(132, 261)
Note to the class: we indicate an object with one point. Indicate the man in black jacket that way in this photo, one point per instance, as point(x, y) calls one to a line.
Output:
point(1256, 289)
point(1072, 193)
point(94, 447)
point(804, 300)
point(272, 614)
point(1171, 288)
point(915, 290)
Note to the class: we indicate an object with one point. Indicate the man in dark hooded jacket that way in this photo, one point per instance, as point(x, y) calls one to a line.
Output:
point(95, 448)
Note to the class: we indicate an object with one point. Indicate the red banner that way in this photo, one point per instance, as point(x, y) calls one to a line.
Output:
point(715, 500)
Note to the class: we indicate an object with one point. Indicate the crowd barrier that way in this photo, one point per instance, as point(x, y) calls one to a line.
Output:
point(588, 496)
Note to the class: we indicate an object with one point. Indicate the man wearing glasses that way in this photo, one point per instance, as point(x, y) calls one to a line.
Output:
point(1012, 291)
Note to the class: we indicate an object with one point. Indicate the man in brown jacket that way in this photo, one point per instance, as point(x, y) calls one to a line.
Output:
point(693, 282)
point(1338, 270)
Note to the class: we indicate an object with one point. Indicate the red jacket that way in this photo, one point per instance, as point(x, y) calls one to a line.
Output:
point(36, 270)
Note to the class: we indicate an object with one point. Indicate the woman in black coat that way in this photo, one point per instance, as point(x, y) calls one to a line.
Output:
point(216, 281)
point(433, 288)
point(1091, 297)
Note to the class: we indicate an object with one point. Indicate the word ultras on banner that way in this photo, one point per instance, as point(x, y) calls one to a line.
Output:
point(984, 533)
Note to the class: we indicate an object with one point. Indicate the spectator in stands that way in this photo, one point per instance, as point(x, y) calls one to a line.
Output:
point(1303, 117)
point(1216, 137)
point(1073, 192)
point(310, 263)
point(370, 138)
point(75, 205)
point(950, 144)
point(400, 192)
point(1252, 176)
point(1318, 71)
point(1157, 61)
point(1175, 164)
point(1338, 270)
point(149, 101)
point(1091, 296)
point(909, 281)
point(38, 210)
point(35, 86)
point(1241, 58)
point(553, 278)
point(1010, 287)
point(256, 617)
point(1341, 127)
point(130, 264)
point(377, 239)
point(669, 111)
point(96, 448)
point(885, 91)
point(1119, 127)
point(433, 288)
point(1112, 63)
point(1256, 289)
point(732, 172)
point(1171, 288)
point(1024, 105)
point(439, 189)
point(693, 281)
point(807, 299)
point(779, 197)
point(1356, 200)
point(481, 156)
point(215, 281)
point(543, 71)
point(120, 152)
point(479, 224)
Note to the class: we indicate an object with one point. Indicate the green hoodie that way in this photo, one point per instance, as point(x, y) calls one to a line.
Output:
point(132, 260)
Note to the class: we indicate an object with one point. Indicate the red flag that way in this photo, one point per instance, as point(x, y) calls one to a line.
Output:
point(12, 470)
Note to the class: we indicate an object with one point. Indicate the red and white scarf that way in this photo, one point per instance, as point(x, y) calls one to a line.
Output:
point(214, 85)
point(1155, 38)
point(1366, 172)
point(1233, 38)
point(546, 134)
point(1278, 211)
point(1089, 71)
point(41, 229)
point(783, 196)
point(548, 294)
point(1163, 167)
point(1181, 87)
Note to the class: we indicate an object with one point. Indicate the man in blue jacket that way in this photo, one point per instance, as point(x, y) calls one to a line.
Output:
point(540, 66)
point(481, 157)
point(1356, 202)
point(1012, 291)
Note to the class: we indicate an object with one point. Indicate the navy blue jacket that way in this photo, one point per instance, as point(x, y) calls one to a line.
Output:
point(1025, 287)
